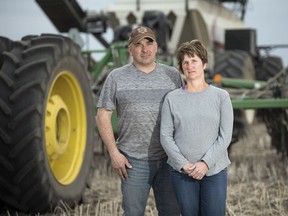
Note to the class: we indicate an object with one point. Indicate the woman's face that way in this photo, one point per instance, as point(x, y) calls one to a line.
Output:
point(193, 68)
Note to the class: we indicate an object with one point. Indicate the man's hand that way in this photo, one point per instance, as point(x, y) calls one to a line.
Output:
point(120, 163)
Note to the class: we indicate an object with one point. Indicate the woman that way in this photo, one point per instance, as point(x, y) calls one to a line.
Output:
point(196, 130)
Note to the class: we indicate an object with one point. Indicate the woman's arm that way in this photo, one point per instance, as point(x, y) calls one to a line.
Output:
point(167, 137)
point(221, 144)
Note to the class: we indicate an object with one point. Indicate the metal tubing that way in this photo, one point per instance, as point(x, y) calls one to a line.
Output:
point(259, 103)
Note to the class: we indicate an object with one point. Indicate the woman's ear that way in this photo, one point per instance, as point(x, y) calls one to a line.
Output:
point(204, 66)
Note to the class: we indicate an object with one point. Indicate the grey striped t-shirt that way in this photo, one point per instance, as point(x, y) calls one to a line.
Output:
point(137, 98)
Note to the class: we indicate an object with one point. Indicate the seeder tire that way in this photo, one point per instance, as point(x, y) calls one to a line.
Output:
point(235, 64)
point(47, 124)
point(276, 121)
point(268, 67)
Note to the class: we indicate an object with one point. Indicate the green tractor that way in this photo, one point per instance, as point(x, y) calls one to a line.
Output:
point(49, 89)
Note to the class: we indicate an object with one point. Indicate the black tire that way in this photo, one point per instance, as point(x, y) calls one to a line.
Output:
point(285, 84)
point(47, 125)
point(5, 45)
point(276, 120)
point(235, 64)
point(268, 67)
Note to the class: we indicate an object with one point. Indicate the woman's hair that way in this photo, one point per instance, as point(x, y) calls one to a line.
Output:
point(194, 47)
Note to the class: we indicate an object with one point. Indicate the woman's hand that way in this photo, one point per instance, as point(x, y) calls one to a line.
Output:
point(199, 171)
point(188, 168)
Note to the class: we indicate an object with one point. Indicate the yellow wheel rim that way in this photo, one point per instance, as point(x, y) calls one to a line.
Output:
point(65, 128)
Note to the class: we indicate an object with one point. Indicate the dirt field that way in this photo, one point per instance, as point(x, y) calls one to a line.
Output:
point(257, 185)
point(257, 182)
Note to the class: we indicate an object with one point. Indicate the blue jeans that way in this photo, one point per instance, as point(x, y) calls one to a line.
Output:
point(206, 197)
point(141, 177)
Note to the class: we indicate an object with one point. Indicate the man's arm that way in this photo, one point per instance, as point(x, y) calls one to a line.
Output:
point(103, 120)
point(119, 161)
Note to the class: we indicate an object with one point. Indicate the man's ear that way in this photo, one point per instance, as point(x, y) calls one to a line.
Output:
point(129, 50)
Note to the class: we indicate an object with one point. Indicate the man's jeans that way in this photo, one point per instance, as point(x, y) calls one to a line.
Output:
point(141, 177)
point(206, 197)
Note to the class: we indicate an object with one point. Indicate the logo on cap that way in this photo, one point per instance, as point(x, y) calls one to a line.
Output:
point(141, 32)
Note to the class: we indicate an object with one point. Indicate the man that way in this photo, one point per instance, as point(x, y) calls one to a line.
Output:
point(136, 92)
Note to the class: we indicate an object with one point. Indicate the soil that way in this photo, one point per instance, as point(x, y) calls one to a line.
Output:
point(257, 182)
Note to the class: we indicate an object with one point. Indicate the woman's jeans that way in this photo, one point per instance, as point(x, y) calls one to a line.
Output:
point(206, 197)
point(141, 177)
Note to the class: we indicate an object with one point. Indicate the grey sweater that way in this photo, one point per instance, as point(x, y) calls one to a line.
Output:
point(197, 126)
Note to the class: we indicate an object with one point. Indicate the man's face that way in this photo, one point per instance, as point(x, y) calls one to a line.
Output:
point(143, 52)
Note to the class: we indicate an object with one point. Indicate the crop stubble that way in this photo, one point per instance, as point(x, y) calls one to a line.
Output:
point(257, 181)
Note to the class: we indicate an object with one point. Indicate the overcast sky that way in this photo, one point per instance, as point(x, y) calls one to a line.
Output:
point(269, 17)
